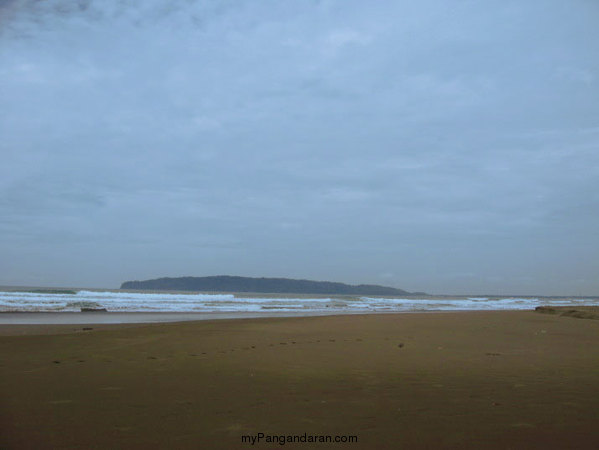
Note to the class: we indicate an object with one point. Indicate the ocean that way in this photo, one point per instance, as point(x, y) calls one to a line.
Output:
point(122, 301)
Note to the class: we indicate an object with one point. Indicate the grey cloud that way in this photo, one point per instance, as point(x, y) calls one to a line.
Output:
point(452, 145)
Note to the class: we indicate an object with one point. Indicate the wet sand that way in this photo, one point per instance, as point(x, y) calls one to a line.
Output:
point(519, 380)
point(11, 319)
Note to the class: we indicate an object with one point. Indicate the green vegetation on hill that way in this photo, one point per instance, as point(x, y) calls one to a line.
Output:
point(226, 283)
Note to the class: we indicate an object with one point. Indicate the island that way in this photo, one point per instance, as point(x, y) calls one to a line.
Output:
point(227, 283)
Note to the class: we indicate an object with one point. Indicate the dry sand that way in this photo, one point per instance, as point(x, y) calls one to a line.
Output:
point(478, 380)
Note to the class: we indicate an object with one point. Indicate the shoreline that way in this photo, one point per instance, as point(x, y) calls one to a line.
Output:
point(48, 323)
point(142, 317)
point(137, 317)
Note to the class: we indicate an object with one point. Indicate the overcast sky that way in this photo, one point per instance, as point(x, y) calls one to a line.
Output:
point(439, 146)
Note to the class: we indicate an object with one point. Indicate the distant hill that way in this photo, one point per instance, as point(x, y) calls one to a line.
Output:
point(226, 283)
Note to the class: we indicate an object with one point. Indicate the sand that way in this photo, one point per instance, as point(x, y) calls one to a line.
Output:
point(9, 319)
point(470, 380)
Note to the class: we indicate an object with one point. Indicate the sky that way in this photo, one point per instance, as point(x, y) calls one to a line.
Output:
point(445, 146)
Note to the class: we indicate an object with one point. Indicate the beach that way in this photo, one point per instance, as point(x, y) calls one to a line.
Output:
point(490, 379)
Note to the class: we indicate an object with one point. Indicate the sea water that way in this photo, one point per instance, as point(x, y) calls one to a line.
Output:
point(122, 301)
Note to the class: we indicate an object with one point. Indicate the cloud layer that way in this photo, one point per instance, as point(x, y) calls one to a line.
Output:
point(439, 146)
